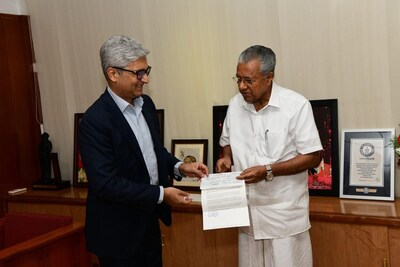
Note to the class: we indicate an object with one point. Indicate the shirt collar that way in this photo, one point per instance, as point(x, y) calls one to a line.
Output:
point(273, 99)
point(121, 103)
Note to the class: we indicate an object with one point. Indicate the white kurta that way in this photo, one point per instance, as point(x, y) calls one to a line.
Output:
point(280, 131)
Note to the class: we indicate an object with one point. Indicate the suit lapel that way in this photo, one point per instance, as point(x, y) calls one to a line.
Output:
point(150, 124)
point(122, 125)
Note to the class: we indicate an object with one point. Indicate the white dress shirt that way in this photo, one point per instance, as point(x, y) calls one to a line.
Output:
point(134, 116)
point(278, 132)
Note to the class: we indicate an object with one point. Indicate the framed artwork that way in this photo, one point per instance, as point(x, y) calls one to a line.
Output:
point(367, 164)
point(219, 113)
point(189, 150)
point(79, 175)
point(324, 179)
point(160, 116)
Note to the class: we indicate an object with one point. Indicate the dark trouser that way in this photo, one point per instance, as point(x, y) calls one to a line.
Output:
point(149, 254)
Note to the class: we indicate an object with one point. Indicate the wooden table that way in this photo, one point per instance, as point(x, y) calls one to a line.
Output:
point(344, 232)
point(69, 201)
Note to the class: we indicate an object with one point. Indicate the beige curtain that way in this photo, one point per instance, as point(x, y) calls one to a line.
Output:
point(341, 49)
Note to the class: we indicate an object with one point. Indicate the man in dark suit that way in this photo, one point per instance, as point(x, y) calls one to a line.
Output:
point(127, 167)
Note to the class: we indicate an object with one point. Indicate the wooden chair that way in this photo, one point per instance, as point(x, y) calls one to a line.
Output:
point(42, 240)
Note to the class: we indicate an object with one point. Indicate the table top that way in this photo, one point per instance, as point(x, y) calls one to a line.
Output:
point(69, 195)
point(321, 208)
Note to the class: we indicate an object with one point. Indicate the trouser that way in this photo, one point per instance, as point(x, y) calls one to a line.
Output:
point(149, 254)
point(292, 251)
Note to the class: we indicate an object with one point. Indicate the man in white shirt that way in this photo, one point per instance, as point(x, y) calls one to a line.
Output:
point(270, 135)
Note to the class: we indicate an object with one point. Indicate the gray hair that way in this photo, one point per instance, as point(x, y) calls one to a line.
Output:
point(264, 54)
point(119, 51)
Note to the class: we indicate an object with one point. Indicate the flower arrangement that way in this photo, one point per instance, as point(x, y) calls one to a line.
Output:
point(396, 146)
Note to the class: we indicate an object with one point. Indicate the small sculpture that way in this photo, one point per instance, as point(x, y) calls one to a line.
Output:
point(45, 147)
point(49, 162)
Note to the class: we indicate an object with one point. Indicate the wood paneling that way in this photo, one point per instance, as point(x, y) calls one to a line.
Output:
point(186, 244)
point(20, 132)
point(63, 247)
point(394, 246)
point(344, 233)
point(342, 244)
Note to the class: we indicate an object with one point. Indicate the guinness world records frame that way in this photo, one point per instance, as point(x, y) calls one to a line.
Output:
point(375, 179)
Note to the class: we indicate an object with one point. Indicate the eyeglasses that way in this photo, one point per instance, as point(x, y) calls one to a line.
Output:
point(246, 81)
point(139, 73)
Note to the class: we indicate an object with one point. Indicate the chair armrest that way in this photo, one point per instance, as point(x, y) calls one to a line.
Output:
point(28, 246)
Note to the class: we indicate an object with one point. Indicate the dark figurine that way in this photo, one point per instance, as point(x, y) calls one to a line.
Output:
point(45, 147)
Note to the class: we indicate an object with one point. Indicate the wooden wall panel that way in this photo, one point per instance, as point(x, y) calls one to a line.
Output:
point(394, 245)
point(185, 243)
point(20, 132)
point(348, 245)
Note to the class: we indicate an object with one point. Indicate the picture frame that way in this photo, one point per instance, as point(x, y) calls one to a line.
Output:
point(79, 174)
point(160, 116)
point(324, 179)
point(189, 150)
point(326, 119)
point(367, 164)
point(55, 167)
point(219, 113)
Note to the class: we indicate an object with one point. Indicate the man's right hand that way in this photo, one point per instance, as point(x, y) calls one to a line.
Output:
point(223, 165)
point(174, 196)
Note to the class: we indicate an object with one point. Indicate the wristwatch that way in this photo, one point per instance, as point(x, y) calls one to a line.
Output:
point(270, 175)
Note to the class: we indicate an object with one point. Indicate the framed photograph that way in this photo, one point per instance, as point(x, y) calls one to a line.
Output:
point(324, 179)
point(219, 113)
point(160, 116)
point(189, 150)
point(79, 174)
point(367, 164)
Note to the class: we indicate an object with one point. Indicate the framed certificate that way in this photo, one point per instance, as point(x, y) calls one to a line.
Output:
point(367, 164)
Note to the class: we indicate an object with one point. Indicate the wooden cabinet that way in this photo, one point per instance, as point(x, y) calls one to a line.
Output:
point(394, 246)
point(345, 244)
point(344, 233)
point(351, 233)
point(20, 131)
point(186, 244)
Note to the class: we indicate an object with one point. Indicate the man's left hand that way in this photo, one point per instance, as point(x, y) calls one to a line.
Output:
point(194, 169)
point(253, 174)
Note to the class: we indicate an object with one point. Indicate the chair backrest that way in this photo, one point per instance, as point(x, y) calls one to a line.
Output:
point(19, 227)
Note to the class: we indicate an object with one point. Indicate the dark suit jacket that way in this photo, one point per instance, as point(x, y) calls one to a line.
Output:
point(120, 202)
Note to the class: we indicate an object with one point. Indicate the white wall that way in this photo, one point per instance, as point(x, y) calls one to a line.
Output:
point(349, 50)
point(17, 7)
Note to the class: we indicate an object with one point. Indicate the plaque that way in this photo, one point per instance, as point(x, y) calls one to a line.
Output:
point(367, 164)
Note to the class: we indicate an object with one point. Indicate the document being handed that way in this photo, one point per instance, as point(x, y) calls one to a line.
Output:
point(224, 203)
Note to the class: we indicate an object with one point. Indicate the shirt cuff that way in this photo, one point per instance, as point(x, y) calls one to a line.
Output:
point(178, 175)
point(161, 198)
